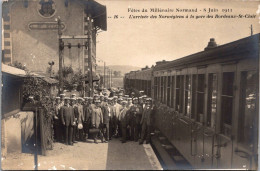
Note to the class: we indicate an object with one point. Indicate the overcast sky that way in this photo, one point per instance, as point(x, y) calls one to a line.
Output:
point(140, 42)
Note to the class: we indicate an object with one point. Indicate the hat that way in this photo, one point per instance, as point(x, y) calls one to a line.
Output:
point(62, 94)
point(90, 98)
point(135, 98)
point(80, 126)
point(73, 95)
point(132, 93)
point(110, 98)
point(126, 95)
point(129, 98)
point(124, 102)
point(73, 98)
point(98, 101)
point(66, 98)
point(120, 99)
point(148, 99)
point(57, 97)
point(115, 97)
point(141, 91)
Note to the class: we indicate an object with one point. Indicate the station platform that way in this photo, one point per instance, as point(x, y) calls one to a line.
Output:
point(87, 155)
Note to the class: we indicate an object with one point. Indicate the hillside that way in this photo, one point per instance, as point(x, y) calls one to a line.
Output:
point(123, 68)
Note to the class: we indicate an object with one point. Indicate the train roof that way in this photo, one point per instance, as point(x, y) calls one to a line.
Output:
point(244, 48)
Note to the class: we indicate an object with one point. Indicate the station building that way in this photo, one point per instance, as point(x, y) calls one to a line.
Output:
point(30, 34)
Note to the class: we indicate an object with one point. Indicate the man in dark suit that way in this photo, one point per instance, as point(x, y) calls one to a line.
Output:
point(68, 120)
point(146, 122)
point(135, 119)
point(106, 114)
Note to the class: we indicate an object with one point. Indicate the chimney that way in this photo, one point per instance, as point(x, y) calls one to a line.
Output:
point(161, 62)
point(212, 44)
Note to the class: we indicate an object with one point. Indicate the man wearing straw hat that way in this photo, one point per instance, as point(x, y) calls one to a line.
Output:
point(68, 120)
point(146, 122)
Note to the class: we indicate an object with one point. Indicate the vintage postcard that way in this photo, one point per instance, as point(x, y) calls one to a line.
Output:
point(130, 84)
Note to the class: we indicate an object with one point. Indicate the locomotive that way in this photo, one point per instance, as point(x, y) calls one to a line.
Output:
point(208, 103)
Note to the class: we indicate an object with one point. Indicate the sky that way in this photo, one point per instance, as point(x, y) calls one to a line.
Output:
point(141, 42)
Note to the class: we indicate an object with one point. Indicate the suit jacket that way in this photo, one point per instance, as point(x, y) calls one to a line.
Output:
point(87, 112)
point(97, 117)
point(124, 116)
point(105, 111)
point(146, 118)
point(81, 117)
point(67, 115)
point(117, 109)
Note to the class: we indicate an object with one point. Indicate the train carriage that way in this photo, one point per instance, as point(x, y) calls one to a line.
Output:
point(214, 98)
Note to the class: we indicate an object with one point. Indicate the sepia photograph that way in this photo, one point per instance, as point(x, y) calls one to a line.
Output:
point(130, 84)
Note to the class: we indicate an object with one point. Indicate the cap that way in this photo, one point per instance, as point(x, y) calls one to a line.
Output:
point(124, 102)
point(135, 98)
point(149, 99)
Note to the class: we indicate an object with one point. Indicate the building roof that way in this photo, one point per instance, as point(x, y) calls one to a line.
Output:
point(98, 13)
point(243, 48)
point(50, 80)
point(22, 73)
point(13, 71)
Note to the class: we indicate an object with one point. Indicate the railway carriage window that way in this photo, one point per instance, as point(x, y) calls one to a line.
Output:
point(164, 90)
point(212, 100)
point(227, 102)
point(159, 88)
point(200, 97)
point(172, 87)
point(179, 93)
point(194, 85)
point(161, 92)
point(188, 96)
point(155, 87)
point(168, 91)
point(247, 115)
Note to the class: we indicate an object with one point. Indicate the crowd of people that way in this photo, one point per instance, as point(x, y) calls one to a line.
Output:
point(104, 116)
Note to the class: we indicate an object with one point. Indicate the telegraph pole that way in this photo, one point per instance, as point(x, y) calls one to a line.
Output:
point(61, 46)
point(111, 78)
point(90, 78)
point(104, 77)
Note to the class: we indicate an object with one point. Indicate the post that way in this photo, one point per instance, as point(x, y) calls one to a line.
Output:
point(104, 79)
point(60, 57)
point(111, 78)
point(90, 55)
point(35, 140)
